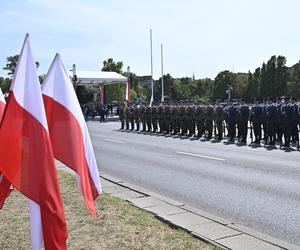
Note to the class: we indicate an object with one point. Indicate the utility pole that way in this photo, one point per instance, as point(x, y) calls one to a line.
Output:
point(151, 68)
point(162, 75)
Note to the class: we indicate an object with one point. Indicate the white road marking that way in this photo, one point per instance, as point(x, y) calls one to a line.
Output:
point(202, 156)
point(122, 142)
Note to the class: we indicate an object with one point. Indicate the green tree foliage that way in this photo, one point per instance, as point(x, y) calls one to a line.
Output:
point(84, 94)
point(133, 94)
point(11, 64)
point(111, 65)
point(114, 92)
point(5, 84)
point(221, 83)
point(273, 77)
point(240, 85)
point(293, 84)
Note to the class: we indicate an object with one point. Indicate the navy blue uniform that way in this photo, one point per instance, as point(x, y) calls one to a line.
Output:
point(232, 121)
point(243, 117)
point(271, 111)
point(256, 115)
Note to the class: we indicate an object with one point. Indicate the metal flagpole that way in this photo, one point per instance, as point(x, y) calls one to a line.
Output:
point(151, 68)
point(162, 75)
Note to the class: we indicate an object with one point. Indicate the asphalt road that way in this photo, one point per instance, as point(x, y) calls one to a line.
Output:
point(255, 187)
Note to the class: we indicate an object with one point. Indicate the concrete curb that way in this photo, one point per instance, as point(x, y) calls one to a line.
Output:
point(209, 228)
point(212, 229)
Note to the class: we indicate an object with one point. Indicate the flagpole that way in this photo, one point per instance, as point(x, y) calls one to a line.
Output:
point(151, 68)
point(162, 74)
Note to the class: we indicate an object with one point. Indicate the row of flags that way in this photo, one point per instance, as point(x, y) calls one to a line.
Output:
point(38, 125)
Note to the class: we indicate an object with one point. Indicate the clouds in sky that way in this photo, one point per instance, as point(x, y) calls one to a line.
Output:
point(204, 37)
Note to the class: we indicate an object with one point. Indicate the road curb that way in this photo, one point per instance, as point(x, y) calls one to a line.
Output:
point(210, 227)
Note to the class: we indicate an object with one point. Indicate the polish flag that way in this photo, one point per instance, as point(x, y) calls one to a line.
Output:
point(69, 135)
point(5, 187)
point(27, 158)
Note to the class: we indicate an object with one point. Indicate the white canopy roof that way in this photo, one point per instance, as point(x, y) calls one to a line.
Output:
point(98, 77)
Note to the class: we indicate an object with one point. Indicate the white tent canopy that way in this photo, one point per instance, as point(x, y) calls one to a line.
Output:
point(98, 78)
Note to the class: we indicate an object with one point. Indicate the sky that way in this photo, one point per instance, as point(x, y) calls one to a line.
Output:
point(202, 37)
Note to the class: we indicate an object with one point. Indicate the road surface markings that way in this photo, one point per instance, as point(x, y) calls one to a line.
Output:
point(114, 141)
point(202, 156)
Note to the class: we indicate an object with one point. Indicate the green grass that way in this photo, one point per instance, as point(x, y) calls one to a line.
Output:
point(119, 225)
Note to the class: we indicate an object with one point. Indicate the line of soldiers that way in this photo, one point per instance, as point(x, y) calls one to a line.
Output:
point(277, 120)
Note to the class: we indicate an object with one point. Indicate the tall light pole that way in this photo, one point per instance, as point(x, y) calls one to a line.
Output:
point(127, 91)
point(162, 75)
point(151, 68)
point(228, 91)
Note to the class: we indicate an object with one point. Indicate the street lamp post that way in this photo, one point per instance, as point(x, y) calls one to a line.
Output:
point(162, 75)
point(228, 91)
point(151, 68)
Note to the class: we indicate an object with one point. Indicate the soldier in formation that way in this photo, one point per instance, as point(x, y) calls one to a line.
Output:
point(269, 120)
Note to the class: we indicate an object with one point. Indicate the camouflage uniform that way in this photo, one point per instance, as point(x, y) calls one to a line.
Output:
point(131, 117)
point(126, 109)
point(219, 118)
point(136, 115)
point(154, 119)
point(199, 119)
point(143, 117)
point(209, 117)
point(148, 118)
point(160, 118)
point(182, 119)
point(190, 115)
point(122, 116)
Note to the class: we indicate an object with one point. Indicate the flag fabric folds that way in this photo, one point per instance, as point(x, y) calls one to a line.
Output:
point(5, 186)
point(69, 135)
point(28, 162)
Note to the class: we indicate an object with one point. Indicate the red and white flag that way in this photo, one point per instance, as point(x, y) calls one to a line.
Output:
point(69, 135)
point(5, 186)
point(27, 160)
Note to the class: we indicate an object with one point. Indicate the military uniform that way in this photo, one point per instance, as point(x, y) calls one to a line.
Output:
point(160, 118)
point(154, 116)
point(131, 117)
point(190, 116)
point(143, 117)
point(167, 119)
point(271, 111)
point(173, 116)
point(122, 116)
point(127, 111)
point(199, 119)
point(256, 114)
point(232, 120)
point(136, 115)
point(219, 118)
point(148, 118)
point(243, 117)
point(182, 120)
point(209, 117)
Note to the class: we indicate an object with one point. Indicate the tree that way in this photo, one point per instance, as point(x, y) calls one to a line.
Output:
point(111, 65)
point(113, 92)
point(263, 90)
point(281, 76)
point(5, 84)
point(221, 83)
point(293, 85)
point(84, 94)
point(11, 64)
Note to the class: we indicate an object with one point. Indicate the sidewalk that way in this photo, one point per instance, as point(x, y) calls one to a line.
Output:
point(207, 227)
